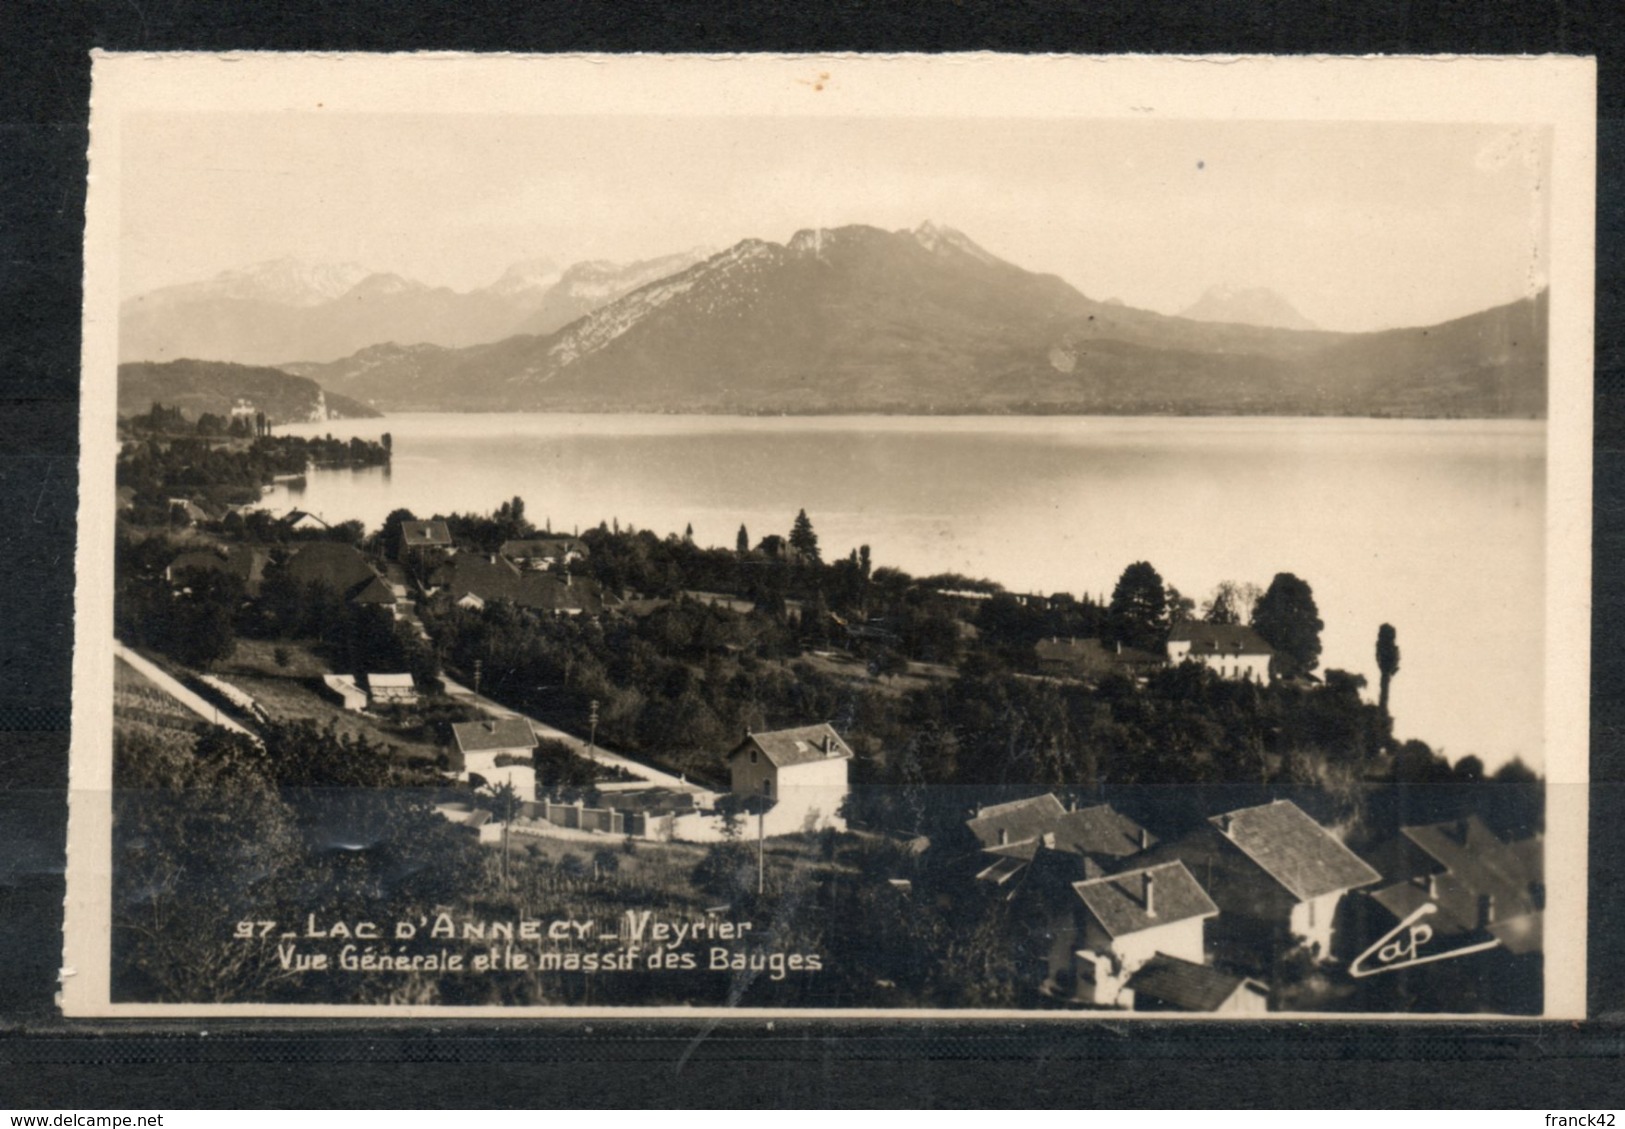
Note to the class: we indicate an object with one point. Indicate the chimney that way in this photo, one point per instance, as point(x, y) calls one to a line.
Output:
point(1049, 840)
point(1486, 910)
point(1145, 839)
point(1119, 646)
point(1224, 823)
point(1150, 895)
point(1433, 885)
point(1004, 837)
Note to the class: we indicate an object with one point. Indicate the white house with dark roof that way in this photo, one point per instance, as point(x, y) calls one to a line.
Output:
point(801, 773)
point(1230, 650)
point(1276, 874)
point(1101, 931)
point(482, 742)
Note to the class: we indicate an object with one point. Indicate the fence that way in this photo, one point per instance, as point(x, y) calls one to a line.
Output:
point(608, 821)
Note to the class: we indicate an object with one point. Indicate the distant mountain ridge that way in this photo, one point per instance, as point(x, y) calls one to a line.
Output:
point(1246, 306)
point(857, 319)
point(286, 310)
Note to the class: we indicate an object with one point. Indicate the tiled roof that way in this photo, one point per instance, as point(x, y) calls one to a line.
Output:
point(501, 733)
point(373, 591)
point(425, 533)
point(1184, 984)
point(1457, 910)
point(1300, 854)
point(1100, 830)
point(1118, 901)
point(1483, 862)
point(1020, 820)
point(501, 580)
point(1220, 639)
point(340, 567)
point(786, 747)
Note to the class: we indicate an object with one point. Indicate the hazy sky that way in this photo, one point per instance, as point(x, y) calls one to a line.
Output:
point(1360, 226)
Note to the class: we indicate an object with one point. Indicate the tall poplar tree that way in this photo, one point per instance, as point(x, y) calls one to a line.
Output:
point(1387, 661)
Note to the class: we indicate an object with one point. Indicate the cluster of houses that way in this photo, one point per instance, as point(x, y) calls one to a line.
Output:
point(532, 573)
point(1119, 919)
point(427, 566)
point(1229, 650)
point(786, 782)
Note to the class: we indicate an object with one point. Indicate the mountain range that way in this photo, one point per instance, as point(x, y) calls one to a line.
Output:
point(858, 319)
point(286, 310)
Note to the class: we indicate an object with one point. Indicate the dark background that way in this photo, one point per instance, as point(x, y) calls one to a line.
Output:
point(47, 1062)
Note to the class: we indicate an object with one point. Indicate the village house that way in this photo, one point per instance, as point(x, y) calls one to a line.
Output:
point(1093, 658)
point(1230, 650)
point(1101, 931)
point(303, 521)
point(420, 535)
point(375, 592)
point(1481, 886)
point(472, 580)
point(544, 552)
point(1087, 842)
point(1169, 983)
point(342, 568)
point(1279, 877)
point(480, 743)
point(801, 773)
point(391, 690)
point(342, 689)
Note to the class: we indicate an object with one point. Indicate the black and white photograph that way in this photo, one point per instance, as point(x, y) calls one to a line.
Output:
point(1064, 538)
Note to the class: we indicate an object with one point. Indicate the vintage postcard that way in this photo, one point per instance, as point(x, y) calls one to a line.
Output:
point(1068, 538)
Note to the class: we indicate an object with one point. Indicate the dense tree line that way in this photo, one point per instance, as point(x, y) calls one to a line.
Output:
point(307, 822)
point(197, 616)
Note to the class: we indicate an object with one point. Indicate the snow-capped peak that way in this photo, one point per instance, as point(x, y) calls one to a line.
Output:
point(941, 240)
point(285, 282)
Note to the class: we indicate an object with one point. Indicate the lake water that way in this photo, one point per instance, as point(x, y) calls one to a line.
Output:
point(1434, 526)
